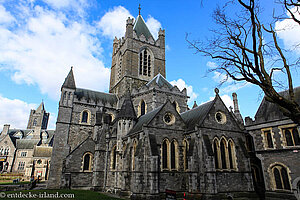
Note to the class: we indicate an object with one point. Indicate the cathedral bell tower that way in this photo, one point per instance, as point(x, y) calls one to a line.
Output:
point(137, 57)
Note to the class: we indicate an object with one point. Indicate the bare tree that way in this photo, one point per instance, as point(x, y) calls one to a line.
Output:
point(245, 49)
point(293, 8)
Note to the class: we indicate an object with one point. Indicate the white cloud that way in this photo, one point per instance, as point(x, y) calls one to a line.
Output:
point(42, 49)
point(14, 112)
point(233, 87)
point(226, 99)
point(113, 23)
point(5, 16)
point(227, 83)
point(153, 26)
point(75, 5)
point(181, 85)
point(288, 30)
point(211, 65)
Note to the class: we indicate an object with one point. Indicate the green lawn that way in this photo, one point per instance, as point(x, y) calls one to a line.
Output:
point(70, 194)
point(11, 183)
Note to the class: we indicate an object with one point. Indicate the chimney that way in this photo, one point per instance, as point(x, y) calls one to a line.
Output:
point(5, 129)
point(236, 110)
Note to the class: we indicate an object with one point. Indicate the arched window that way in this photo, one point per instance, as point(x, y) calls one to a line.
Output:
point(269, 139)
point(291, 136)
point(216, 154)
point(296, 136)
point(87, 162)
point(165, 146)
point(34, 122)
point(223, 154)
point(142, 108)
point(173, 155)
point(281, 178)
point(185, 151)
point(114, 157)
point(84, 117)
point(249, 143)
point(231, 155)
point(288, 138)
point(145, 63)
point(134, 144)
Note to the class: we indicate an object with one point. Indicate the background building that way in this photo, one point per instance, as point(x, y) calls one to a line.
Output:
point(28, 151)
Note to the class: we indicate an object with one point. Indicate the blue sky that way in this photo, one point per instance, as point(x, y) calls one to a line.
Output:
point(41, 39)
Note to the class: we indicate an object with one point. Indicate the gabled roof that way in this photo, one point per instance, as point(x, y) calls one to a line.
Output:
point(269, 111)
point(127, 109)
point(196, 115)
point(96, 96)
point(160, 81)
point(69, 81)
point(144, 120)
point(140, 27)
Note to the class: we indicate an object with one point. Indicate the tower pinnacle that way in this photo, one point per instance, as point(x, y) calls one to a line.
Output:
point(140, 9)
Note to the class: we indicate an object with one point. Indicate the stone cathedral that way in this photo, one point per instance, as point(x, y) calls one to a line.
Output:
point(141, 139)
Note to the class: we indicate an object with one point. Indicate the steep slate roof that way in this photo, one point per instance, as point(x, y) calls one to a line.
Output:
point(27, 143)
point(144, 119)
point(127, 109)
point(140, 28)
point(96, 96)
point(41, 151)
point(266, 108)
point(196, 115)
point(40, 108)
point(160, 81)
point(69, 81)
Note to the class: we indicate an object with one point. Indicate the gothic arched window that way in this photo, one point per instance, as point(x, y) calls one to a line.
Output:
point(281, 178)
point(84, 117)
point(142, 109)
point(291, 136)
point(114, 157)
point(134, 144)
point(231, 155)
point(87, 162)
point(145, 63)
point(34, 122)
point(173, 155)
point(223, 153)
point(296, 136)
point(165, 157)
point(216, 154)
point(269, 139)
point(288, 138)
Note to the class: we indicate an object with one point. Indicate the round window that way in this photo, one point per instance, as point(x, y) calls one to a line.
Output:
point(169, 118)
point(220, 117)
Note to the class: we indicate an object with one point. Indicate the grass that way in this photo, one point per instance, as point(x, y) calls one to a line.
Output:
point(11, 183)
point(70, 194)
